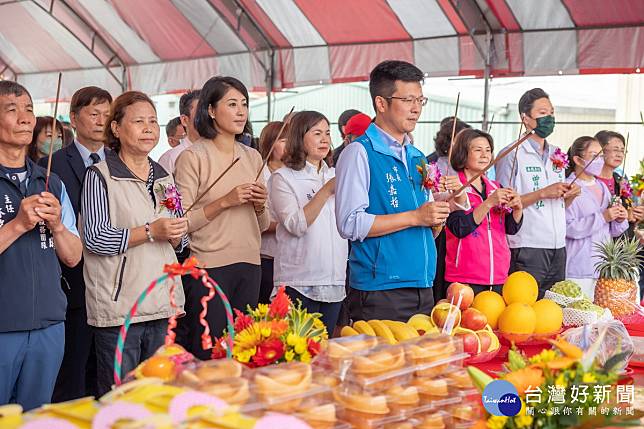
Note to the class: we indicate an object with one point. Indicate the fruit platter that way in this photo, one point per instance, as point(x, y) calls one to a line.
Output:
point(457, 316)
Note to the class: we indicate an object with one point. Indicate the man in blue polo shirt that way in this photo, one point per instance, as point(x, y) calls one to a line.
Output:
point(382, 207)
point(36, 228)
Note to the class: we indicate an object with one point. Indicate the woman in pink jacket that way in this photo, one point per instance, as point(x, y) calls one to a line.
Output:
point(477, 249)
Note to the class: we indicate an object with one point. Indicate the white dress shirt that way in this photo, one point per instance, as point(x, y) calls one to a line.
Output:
point(310, 258)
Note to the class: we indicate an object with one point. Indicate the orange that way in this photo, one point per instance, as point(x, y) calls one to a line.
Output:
point(158, 366)
point(520, 286)
point(518, 318)
point(491, 304)
point(549, 316)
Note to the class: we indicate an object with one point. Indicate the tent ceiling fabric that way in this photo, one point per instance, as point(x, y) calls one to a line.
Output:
point(169, 45)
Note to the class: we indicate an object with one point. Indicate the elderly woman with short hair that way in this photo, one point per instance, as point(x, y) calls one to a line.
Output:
point(129, 235)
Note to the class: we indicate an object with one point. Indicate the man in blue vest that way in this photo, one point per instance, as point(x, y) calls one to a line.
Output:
point(382, 207)
point(36, 229)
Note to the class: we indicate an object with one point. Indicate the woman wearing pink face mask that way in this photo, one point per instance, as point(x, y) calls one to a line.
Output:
point(590, 219)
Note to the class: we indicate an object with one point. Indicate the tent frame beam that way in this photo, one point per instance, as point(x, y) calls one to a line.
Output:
point(270, 70)
point(95, 34)
point(486, 52)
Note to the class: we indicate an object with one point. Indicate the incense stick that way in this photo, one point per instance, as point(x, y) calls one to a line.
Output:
point(53, 133)
point(491, 164)
point(628, 134)
point(451, 142)
point(279, 135)
point(516, 153)
point(211, 185)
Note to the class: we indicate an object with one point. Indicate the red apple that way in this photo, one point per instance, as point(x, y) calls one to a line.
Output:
point(471, 342)
point(441, 311)
point(456, 289)
point(473, 319)
point(486, 340)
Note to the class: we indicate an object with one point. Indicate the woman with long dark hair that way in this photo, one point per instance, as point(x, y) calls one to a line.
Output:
point(41, 140)
point(226, 224)
point(591, 218)
point(270, 145)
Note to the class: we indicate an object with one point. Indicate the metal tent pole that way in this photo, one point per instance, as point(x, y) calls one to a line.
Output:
point(486, 72)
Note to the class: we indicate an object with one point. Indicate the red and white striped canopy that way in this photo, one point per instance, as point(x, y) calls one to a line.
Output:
point(166, 45)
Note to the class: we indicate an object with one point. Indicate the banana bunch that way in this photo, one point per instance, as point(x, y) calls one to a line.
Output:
point(474, 342)
point(392, 331)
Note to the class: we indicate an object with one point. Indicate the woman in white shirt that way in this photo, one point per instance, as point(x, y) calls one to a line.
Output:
point(311, 257)
point(267, 141)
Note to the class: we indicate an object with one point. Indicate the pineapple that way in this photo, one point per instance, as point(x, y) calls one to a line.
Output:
point(617, 288)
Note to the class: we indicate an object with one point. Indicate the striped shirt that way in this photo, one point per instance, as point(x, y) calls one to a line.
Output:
point(100, 236)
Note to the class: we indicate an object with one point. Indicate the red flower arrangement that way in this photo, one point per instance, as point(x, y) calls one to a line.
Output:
point(171, 199)
point(560, 159)
point(431, 176)
point(277, 332)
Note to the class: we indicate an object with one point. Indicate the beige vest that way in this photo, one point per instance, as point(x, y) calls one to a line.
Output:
point(114, 283)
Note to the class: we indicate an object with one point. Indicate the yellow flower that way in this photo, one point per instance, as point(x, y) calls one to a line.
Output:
point(265, 331)
point(545, 356)
point(247, 339)
point(589, 377)
point(260, 312)
point(300, 346)
point(317, 324)
point(496, 422)
point(305, 357)
point(289, 355)
point(561, 381)
point(291, 339)
point(262, 309)
point(522, 420)
point(244, 356)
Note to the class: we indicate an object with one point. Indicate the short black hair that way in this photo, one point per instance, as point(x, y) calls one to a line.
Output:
point(526, 102)
point(443, 139)
point(186, 101)
point(88, 95)
point(604, 136)
point(211, 93)
point(9, 87)
point(344, 118)
point(171, 126)
point(383, 77)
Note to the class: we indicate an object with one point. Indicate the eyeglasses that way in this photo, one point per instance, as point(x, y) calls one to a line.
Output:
point(409, 100)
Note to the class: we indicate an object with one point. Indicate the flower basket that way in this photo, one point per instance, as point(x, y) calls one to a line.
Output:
point(170, 272)
point(281, 331)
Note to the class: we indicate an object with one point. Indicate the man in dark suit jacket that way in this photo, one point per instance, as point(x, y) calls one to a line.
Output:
point(90, 107)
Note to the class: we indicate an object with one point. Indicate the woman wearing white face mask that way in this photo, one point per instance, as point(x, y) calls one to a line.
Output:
point(41, 140)
point(590, 219)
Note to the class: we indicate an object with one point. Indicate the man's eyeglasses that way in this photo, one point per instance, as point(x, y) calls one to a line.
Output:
point(409, 100)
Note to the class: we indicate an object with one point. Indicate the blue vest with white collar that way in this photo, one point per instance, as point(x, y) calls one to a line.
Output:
point(401, 259)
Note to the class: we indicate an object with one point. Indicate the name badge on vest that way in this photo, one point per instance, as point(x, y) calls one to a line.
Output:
point(8, 209)
point(533, 169)
point(392, 178)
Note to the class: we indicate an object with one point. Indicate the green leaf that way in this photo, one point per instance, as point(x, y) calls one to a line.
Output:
point(306, 327)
